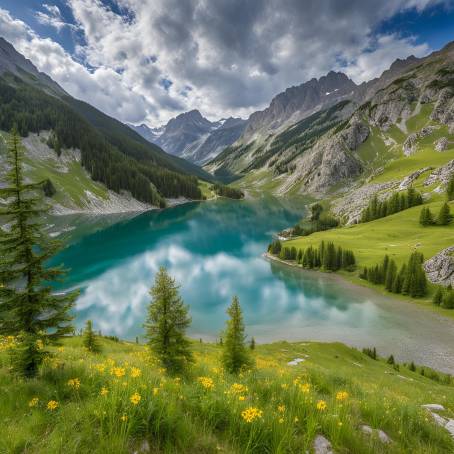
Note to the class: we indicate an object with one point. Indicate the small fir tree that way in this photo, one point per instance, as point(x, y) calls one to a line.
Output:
point(235, 355)
point(90, 341)
point(438, 296)
point(426, 218)
point(28, 307)
point(444, 215)
point(167, 321)
point(252, 344)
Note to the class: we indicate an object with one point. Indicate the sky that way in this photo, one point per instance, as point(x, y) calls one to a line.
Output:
point(146, 61)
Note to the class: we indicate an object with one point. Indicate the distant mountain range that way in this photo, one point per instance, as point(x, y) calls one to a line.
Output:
point(192, 137)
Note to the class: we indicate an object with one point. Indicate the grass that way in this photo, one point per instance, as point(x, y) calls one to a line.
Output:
point(193, 414)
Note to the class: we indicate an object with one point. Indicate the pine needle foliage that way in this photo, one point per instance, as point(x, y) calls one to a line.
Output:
point(235, 355)
point(28, 307)
point(168, 319)
point(90, 341)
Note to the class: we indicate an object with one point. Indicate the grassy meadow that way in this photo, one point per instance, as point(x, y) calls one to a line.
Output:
point(122, 401)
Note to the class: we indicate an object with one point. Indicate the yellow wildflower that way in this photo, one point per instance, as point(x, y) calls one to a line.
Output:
point(305, 388)
point(74, 383)
point(100, 368)
point(296, 419)
point(135, 372)
point(104, 391)
point(33, 402)
point(155, 391)
point(281, 408)
point(118, 371)
point(342, 395)
point(281, 420)
point(250, 414)
point(124, 418)
point(241, 398)
point(206, 382)
point(61, 349)
point(238, 388)
point(52, 405)
point(135, 398)
point(321, 405)
point(39, 344)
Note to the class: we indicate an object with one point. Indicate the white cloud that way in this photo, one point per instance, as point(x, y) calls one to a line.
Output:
point(52, 17)
point(233, 55)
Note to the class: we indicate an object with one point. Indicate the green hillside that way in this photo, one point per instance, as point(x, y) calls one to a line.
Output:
point(121, 401)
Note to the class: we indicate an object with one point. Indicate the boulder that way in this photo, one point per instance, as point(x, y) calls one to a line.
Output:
point(409, 146)
point(441, 144)
point(322, 445)
point(436, 407)
point(440, 268)
point(382, 436)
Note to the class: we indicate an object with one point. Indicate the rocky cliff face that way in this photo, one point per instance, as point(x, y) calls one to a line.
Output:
point(299, 102)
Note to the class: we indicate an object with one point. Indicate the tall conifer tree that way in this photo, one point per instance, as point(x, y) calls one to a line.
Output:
point(235, 355)
point(168, 319)
point(28, 307)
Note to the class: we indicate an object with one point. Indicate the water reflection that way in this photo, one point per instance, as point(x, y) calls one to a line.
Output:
point(214, 251)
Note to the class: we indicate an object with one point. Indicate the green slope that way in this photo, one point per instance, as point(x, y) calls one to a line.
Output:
point(202, 412)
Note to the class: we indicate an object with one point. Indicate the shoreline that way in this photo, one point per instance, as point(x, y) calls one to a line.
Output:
point(365, 289)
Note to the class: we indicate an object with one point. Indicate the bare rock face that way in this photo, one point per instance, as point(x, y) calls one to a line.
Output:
point(409, 179)
point(355, 135)
point(409, 146)
point(440, 268)
point(441, 144)
point(442, 174)
point(352, 205)
point(444, 108)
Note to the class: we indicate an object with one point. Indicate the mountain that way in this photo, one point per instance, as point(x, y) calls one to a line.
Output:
point(296, 103)
point(109, 151)
point(193, 137)
point(297, 122)
point(150, 134)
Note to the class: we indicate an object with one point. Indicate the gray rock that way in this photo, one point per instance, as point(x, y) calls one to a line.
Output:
point(440, 268)
point(441, 144)
point(355, 135)
point(450, 427)
point(442, 174)
point(436, 407)
point(410, 144)
point(438, 419)
point(144, 448)
point(382, 436)
point(322, 445)
point(408, 180)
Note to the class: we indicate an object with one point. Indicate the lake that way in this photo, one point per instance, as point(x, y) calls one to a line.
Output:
point(214, 251)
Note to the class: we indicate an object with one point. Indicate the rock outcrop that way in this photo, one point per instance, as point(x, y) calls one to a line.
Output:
point(441, 144)
point(440, 268)
point(442, 174)
point(322, 445)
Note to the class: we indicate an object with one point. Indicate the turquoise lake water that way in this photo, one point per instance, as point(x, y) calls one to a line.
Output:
point(214, 251)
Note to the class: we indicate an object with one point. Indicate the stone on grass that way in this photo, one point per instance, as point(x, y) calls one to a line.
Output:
point(382, 436)
point(322, 445)
point(436, 407)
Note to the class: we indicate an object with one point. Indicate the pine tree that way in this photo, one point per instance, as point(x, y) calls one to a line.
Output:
point(252, 344)
point(390, 275)
point(235, 355)
point(426, 218)
point(415, 282)
point(89, 341)
point(28, 307)
point(438, 296)
point(167, 321)
point(390, 359)
point(444, 215)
